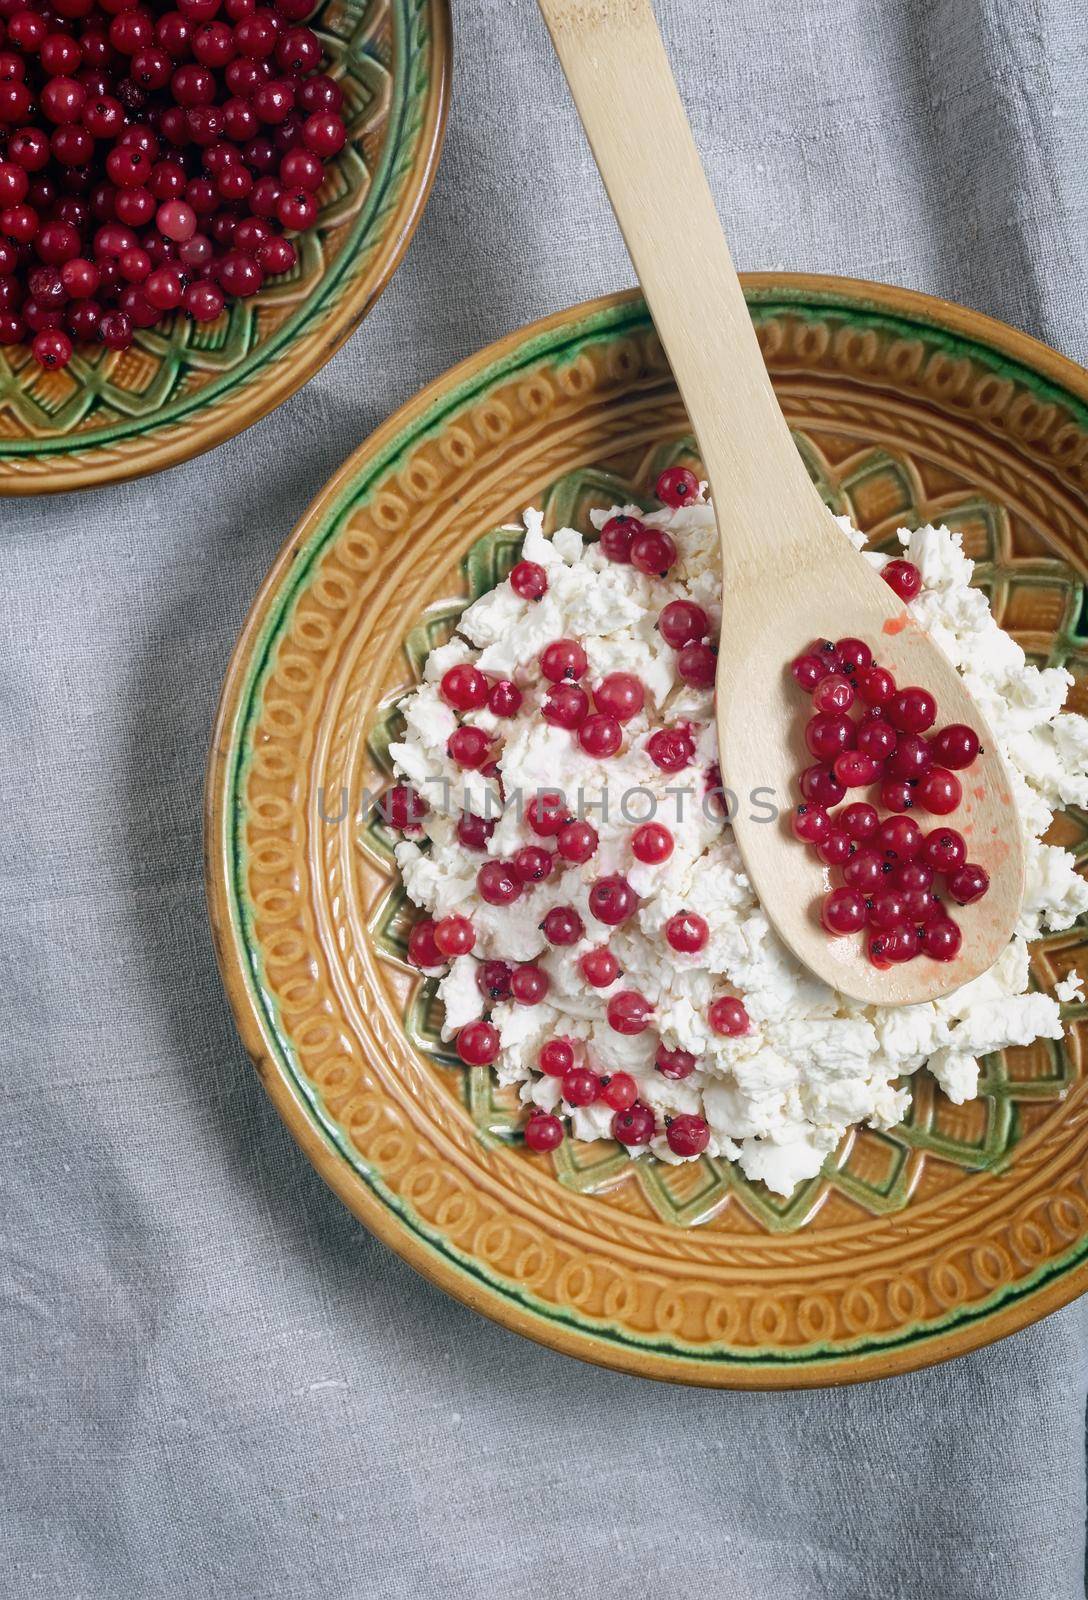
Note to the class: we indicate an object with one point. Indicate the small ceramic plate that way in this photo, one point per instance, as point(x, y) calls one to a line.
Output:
point(963, 1224)
point(183, 386)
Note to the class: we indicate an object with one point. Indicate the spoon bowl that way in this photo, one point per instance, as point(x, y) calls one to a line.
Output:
point(768, 620)
point(788, 574)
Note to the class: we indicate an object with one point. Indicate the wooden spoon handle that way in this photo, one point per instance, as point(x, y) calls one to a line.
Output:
point(623, 87)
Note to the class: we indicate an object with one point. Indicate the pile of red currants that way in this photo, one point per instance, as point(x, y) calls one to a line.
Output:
point(152, 161)
point(892, 872)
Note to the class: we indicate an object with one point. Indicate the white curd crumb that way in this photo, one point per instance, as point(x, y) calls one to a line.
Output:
point(1070, 988)
point(778, 1099)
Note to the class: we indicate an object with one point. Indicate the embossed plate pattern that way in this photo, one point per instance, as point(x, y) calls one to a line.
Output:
point(911, 1246)
point(184, 387)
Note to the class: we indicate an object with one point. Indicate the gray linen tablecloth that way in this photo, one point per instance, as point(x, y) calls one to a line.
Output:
point(213, 1382)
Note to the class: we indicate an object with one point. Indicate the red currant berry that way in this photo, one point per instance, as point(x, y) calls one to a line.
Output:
point(19, 223)
point(403, 807)
point(858, 821)
point(843, 912)
point(296, 210)
point(827, 736)
point(52, 349)
point(468, 747)
point(697, 664)
point(321, 93)
point(855, 770)
point(835, 848)
point(563, 660)
point(543, 1131)
point(912, 710)
point(671, 749)
point(884, 909)
point(833, 694)
point(498, 883)
point(577, 842)
point(810, 823)
point(911, 757)
point(493, 981)
point(504, 699)
point(827, 652)
point(529, 985)
point(562, 926)
point(897, 794)
point(944, 850)
point(532, 864)
point(903, 578)
point(939, 791)
point(876, 686)
point(651, 843)
point(820, 786)
point(727, 1016)
point(687, 932)
point(298, 50)
point(546, 813)
point(115, 330)
point(899, 839)
point(454, 936)
point(619, 1091)
point(633, 1127)
point(422, 950)
point(556, 1057)
point(876, 738)
point(629, 1012)
point(14, 184)
point(808, 671)
point(464, 687)
point(616, 536)
point(580, 1086)
point(478, 1044)
point(529, 580)
point(682, 622)
point(276, 255)
point(914, 874)
point(674, 1064)
point(565, 706)
point(687, 1135)
point(956, 746)
point(653, 553)
point(854, 656)
point(176, 220)
point(969, 882)
point(904, 943)
point(620, 695)
point(203, 302)
point(941, 939)
point(473, 831)
point(676, 486)
point(866, 871)
point(240, 275)
point(919, 905)
point(600, 736)
point(599, 968)
point(324, 133)
point(612, 900)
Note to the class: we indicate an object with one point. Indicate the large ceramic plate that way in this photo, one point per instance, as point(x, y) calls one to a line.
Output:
point(183, 386)
point(965, 1223)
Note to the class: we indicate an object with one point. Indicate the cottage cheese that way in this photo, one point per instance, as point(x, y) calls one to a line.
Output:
point(778, 1099)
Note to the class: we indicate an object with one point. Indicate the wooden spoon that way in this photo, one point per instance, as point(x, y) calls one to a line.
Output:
point(789, 574)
